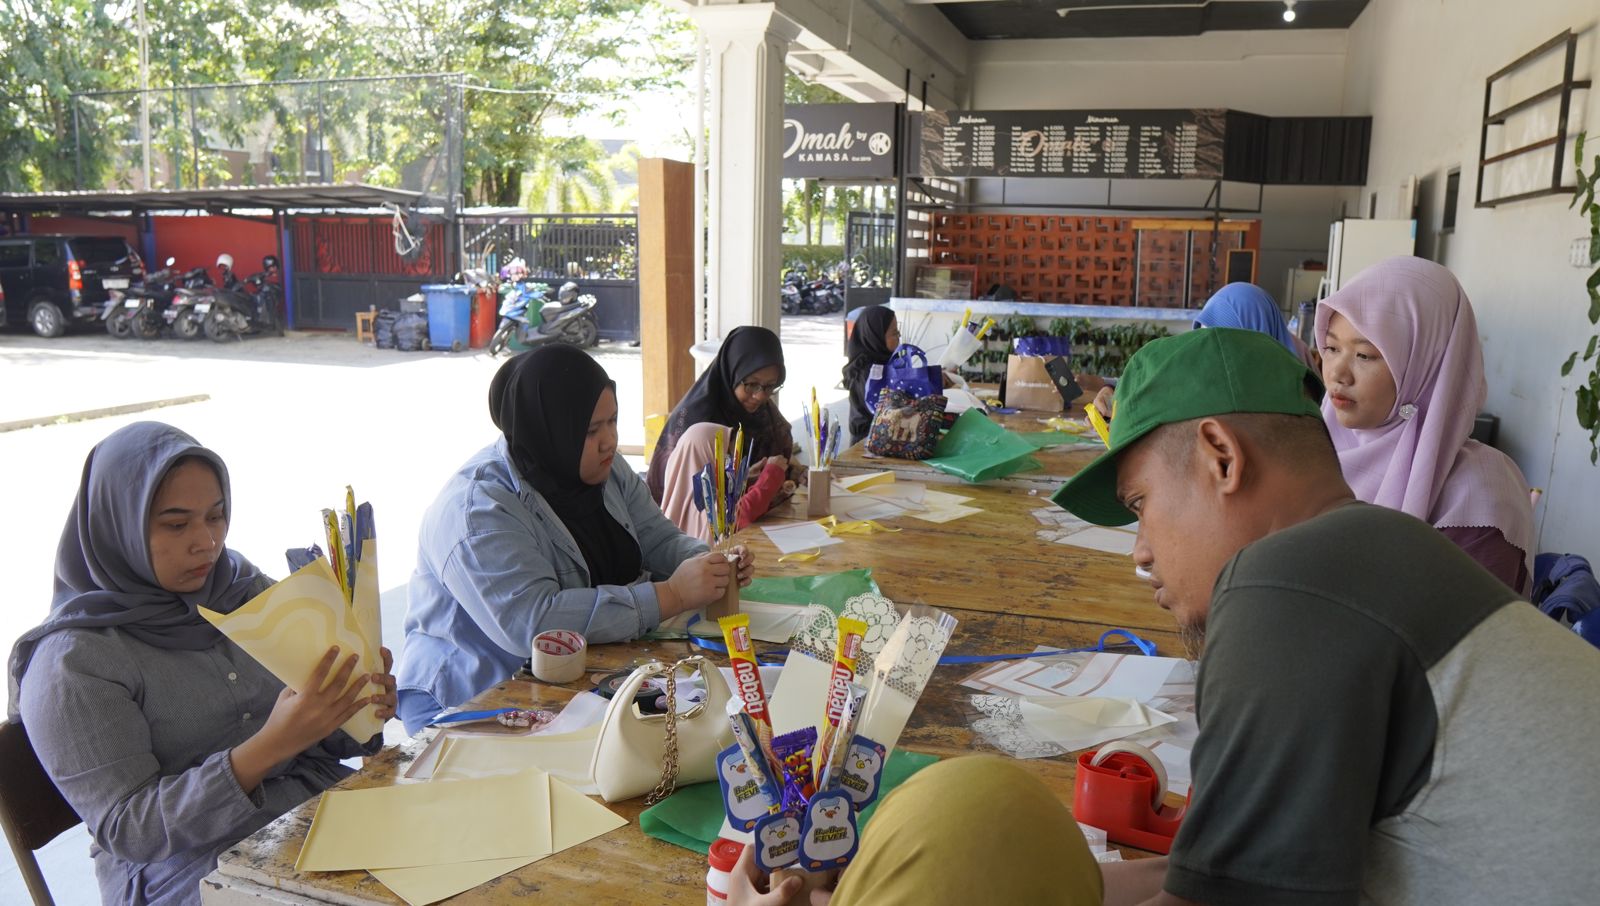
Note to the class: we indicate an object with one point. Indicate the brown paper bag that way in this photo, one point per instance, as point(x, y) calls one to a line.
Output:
point(1029, 386)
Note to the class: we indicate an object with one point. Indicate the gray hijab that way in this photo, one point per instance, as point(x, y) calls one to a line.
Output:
point(103, 572)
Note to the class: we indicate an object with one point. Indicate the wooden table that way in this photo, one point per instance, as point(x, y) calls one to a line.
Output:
point(1009, 590)
point(1057, 464)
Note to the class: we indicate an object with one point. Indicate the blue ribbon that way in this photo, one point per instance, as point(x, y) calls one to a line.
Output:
point(461, 717)
point(1145, 647)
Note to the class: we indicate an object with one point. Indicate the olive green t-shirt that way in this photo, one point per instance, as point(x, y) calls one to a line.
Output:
point(1381, 721)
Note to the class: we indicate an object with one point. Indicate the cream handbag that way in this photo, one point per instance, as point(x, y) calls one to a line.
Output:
point(639, 754)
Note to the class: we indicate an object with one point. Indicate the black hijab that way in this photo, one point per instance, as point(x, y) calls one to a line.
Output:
point(543, 401)
point(868, 346)
point(743, 352)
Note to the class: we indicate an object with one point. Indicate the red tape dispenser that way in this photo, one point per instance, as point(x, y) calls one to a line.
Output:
point(1120, 788)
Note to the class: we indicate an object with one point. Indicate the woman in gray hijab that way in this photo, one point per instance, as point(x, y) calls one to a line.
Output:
point(170, 742)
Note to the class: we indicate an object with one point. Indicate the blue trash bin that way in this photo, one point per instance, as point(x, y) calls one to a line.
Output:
point(449, 315)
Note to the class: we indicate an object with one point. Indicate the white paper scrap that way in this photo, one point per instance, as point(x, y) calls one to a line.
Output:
point(804, 536)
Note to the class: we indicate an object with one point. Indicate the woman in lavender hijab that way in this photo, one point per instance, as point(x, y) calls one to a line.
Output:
point(1404, 372)
point(167, 739)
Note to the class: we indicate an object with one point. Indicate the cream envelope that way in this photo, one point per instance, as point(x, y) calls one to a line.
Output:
point(574, 819)
point(290, 626)
point(1081, 723)
point(430, 824)
point(565, 756)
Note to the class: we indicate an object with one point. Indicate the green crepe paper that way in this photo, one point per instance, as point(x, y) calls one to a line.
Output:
point(692, 816)
point(1043, 439)
point(977, 449)
point(830, 590)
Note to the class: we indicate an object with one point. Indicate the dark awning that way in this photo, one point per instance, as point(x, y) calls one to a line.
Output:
point(310, 196)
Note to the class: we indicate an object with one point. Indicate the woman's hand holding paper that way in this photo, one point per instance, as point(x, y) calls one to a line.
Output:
point(300, 720)
point(747, 563)
point(389, 699)
point(697, 582)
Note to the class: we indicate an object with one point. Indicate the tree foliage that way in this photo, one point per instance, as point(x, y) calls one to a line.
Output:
point(529, 69)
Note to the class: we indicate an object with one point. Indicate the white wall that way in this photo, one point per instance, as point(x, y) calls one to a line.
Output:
point(1282, 73)
point(1418, 68)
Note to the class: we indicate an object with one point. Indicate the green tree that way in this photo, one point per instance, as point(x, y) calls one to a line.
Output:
point(532, 65)
point(571, 176)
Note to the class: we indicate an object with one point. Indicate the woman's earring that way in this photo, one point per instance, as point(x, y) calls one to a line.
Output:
point(1408, 411)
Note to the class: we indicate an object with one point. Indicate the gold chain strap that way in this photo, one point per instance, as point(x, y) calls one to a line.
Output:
point(669, 755)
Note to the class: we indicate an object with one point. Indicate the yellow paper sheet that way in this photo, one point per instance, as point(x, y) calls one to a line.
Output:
point(565, 756)
point(290, 626)
point(939, 500)
point(430, 824)
point(574, 819)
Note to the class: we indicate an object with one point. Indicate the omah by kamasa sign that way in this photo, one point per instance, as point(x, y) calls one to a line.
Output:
point(840, 141)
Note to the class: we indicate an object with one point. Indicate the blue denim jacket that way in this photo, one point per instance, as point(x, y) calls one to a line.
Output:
point(495, 567)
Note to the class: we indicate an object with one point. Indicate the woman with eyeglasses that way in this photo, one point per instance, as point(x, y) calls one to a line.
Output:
point(737, 390)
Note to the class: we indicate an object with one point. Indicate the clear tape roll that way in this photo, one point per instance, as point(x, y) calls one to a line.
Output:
point(1143, 754)
point(559, 656)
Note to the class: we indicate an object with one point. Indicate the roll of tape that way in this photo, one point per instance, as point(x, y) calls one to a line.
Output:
point(1143, 754)
point(559, 656)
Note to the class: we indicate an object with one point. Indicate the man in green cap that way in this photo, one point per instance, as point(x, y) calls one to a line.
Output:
point(1381, 720)
point(1343, 649)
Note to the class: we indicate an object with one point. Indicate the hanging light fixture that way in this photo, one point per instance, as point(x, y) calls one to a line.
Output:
point(1288, 10)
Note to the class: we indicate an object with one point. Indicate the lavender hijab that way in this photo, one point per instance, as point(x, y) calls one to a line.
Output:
point(103, 572)
point(1420, 460)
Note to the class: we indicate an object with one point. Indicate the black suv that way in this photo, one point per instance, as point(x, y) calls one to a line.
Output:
point(52, 281)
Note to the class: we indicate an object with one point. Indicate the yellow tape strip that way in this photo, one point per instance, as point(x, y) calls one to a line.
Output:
point(860, 527)
point(1099, 424)
point(801, 556)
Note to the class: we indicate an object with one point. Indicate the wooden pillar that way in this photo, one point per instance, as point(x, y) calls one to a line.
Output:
point(666, 287)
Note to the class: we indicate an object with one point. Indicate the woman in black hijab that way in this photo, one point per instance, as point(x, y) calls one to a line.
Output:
point(736, 390)
point(874, 340)
point(543, 529)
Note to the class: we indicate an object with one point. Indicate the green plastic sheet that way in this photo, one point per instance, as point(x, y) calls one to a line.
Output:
point(692, 816)
point(830, 590)
point(976, 449)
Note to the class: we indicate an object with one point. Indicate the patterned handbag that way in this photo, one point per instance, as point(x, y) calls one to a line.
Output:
point(908, 371)
point(904, 427)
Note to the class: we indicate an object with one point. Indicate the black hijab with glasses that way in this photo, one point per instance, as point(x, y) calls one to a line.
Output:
point(745, 351)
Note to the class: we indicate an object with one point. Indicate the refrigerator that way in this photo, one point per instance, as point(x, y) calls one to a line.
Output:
point(1354, 245)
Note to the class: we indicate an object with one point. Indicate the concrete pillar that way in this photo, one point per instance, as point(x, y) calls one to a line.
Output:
point(747, 44)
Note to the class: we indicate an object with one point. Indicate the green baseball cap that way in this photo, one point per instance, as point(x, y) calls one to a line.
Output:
point(1210, 371)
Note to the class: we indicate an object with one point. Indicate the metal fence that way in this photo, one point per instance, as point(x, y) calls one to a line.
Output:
point(869, 246)
point(600, 252)
point(555, 246)
point(394, 131)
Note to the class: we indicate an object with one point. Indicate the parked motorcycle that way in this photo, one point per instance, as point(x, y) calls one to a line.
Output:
point(254, 306)
point(146, 309)
point(531, 316)
point(803, 296)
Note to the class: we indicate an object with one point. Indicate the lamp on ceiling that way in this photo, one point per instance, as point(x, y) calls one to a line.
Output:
point(1288, 10)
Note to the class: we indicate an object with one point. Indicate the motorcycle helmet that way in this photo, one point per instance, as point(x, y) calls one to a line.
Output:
point(269, 263)
point(225, 261)
point(569, 291)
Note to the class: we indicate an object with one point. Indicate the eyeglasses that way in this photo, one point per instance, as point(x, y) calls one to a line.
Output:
point(751, 388)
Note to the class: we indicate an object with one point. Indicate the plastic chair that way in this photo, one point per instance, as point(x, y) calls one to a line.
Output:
point(32, 811)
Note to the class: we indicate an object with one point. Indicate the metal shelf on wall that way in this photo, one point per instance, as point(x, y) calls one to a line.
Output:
point(1559, 93)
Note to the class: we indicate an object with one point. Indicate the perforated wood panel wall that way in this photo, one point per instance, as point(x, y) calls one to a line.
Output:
point(1086, 260)
point(1091, 260)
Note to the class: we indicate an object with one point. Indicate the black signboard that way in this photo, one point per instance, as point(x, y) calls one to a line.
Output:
point(1099, 144)
point(839, 141)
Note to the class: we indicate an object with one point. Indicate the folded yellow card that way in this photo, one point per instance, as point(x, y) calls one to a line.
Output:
point(290, 626)
point(574, 819)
